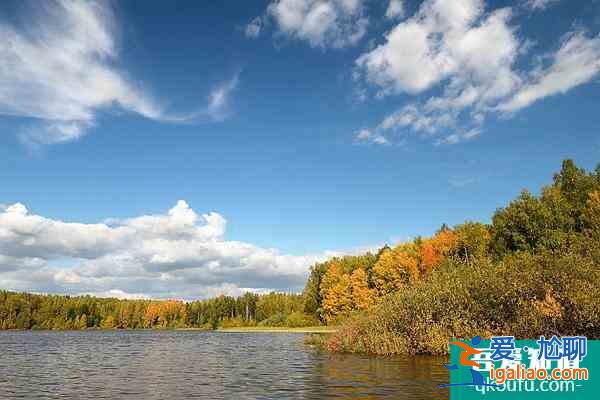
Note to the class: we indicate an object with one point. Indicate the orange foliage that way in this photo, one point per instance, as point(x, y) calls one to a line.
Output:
point(164, 314)
point(434, 249)
point(346, 287)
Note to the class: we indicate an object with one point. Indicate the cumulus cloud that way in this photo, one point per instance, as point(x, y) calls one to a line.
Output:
point(427, 48)
point(60, 68)
point(8, 263)
point(321, 23)
point(469, 55)
point(179, 254)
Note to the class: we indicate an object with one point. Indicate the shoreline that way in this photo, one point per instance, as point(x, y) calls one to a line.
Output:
point(267, 329)
point(241, 329)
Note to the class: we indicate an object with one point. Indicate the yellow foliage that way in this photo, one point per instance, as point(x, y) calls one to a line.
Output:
point(108, 322)
point(591, 213)
point(164, 314)
point(396, 268)
point(362, 296)
point(338, 298)
point(549, 306)
point(331, 277)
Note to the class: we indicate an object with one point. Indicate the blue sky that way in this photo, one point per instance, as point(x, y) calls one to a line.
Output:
point(310, 126)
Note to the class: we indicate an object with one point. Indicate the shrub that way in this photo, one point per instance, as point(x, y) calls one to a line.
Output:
point(298, 319)
point(278, 319)
point(522, 295)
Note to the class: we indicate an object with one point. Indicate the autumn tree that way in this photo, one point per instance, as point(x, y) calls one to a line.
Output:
point(472, 242)
point(362, 296)
point(396, 268)
point(433, 250)
point(330, 278)
point(108, 322)
point(591, 215)
point(151, 315)
point(337, 300)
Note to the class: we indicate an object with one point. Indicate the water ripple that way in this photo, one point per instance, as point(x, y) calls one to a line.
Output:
point(201, 365)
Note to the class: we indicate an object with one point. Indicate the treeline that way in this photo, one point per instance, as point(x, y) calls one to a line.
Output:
point(31, 311)
point(534, 270)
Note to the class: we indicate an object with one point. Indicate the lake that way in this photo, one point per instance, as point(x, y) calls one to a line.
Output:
point(196, 364)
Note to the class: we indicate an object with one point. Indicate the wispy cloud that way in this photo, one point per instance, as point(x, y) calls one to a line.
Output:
point(253, 29)
point(539, 4)
point(60, 66)
point(470, 56)
point(576, 62)
point(218, 104)
point(459, 136)
point(219, 99)
point(369, 136)
point(395, 9)
point(461, 182)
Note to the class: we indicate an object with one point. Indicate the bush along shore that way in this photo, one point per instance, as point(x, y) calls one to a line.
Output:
point(533, 270)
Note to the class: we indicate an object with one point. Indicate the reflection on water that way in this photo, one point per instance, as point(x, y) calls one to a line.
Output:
point(211, 365)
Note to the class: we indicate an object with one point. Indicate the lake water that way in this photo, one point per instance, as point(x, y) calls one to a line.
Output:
point(205, 365)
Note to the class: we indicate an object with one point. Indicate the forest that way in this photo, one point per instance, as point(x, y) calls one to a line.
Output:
point(534, 269)
point(32, 311)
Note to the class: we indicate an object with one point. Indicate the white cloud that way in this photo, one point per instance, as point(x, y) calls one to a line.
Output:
point(19, 263)
point(458, 137)
point(395, 9)
point(218, 106)
point(117, 294)
point(443, 40)
point(219, 99)
point(366, 135)
point(60, 68)
point(576, 62)
point(539, 4)
point(180, 254)
point(322, 23)
point(469, 55)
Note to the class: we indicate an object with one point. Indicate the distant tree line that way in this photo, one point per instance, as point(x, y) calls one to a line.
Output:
point(32, 311)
